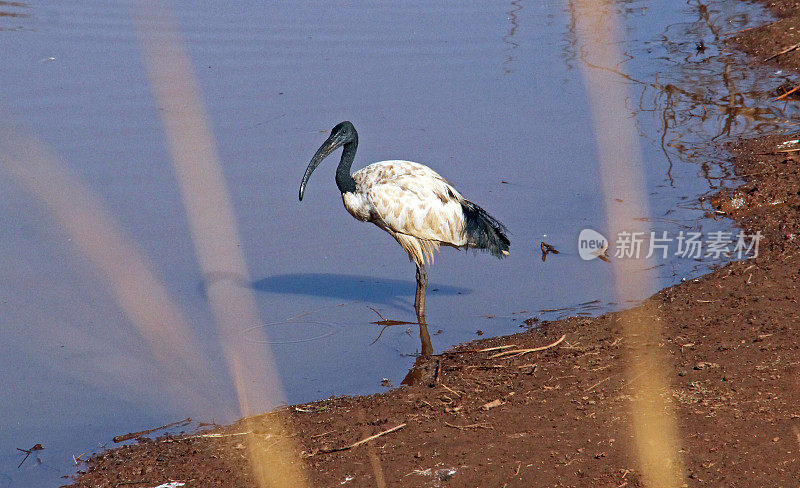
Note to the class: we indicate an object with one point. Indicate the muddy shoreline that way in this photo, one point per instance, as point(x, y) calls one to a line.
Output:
point(557, 417)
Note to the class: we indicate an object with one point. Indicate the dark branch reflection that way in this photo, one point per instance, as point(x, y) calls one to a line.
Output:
point(13, 11)
point(698, 93)
point(516, 6)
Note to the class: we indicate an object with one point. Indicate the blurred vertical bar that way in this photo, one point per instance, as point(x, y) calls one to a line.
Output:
point(94, 231)
point(216, 239)
point(652, 412)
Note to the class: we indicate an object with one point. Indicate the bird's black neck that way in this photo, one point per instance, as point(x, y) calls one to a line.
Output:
point(344, 180)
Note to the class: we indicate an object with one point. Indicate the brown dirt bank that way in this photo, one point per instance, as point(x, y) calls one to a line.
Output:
point(559, 417)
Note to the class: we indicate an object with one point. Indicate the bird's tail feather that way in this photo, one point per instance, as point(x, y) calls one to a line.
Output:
point(484, 231)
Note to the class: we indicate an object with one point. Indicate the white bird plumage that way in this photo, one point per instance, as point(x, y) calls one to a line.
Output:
point(412, 203)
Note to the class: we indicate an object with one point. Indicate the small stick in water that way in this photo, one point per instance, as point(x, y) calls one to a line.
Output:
point(133, 435)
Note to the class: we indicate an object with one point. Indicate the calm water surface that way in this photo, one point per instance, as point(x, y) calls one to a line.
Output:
point(487, 93)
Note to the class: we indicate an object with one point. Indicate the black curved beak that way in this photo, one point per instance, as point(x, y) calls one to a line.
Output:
point(331, 144)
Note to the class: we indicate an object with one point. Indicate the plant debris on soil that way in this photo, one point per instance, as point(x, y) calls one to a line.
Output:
point(490, 416)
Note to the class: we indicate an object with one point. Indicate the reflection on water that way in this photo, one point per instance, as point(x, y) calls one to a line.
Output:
point(485, 92)
point(705, 96)
point(350, 287)
point(11, 13)
point(13, 9)
point(389, 292)
point(425, 371)
point(516, 6)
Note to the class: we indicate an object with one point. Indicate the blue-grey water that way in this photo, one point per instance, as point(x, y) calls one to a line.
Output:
point(489, 94)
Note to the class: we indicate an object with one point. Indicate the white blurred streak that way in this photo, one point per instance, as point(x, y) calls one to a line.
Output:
point(140, 294)
point(215, 234)
point(622, 174)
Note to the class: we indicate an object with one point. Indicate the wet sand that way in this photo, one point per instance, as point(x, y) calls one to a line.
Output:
point(558, 417)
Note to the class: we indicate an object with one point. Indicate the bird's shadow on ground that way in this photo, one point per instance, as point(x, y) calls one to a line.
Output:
point(351, 287)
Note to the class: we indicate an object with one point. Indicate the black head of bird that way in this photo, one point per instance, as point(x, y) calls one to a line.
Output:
point(344, 134)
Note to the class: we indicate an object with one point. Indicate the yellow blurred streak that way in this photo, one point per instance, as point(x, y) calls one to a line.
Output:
point(652, 412)
point(140, 294)
point(215, 235)
point(374, 459)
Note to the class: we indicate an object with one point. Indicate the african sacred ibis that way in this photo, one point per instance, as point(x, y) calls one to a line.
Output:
point(411, 202)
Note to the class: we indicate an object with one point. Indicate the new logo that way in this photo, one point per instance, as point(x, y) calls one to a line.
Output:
point(591, 244)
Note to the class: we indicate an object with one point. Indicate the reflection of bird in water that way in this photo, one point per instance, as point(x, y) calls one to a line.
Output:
point(411, 202)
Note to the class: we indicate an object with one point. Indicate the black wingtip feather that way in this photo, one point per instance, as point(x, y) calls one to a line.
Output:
point(484, 231)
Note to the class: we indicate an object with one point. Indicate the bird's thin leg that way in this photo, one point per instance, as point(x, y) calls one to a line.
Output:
point(419, 300)
point(419, 306)
point(425, 339)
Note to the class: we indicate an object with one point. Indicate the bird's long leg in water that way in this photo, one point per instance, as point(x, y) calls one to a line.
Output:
point(425, 339)
point(419, 306)
point(419, 299)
